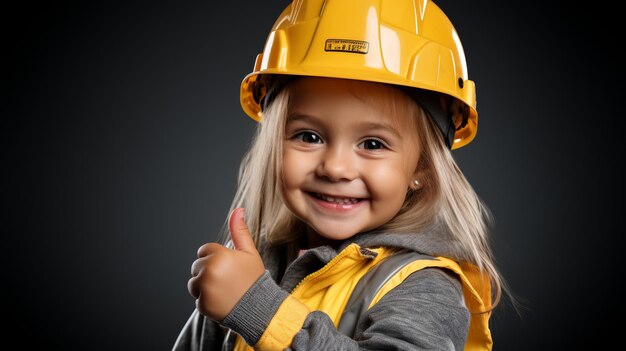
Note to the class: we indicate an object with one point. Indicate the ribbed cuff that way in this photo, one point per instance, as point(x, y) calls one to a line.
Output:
point(253, 313)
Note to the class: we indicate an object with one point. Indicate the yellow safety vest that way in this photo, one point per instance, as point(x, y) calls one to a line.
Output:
point(330, 288)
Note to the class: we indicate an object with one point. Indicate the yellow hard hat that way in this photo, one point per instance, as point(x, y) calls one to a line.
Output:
point(408, 43)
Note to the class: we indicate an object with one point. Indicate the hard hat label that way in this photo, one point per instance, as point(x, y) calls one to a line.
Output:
point(345, 45)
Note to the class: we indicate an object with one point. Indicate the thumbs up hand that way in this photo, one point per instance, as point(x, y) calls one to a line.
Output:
point(221, 276)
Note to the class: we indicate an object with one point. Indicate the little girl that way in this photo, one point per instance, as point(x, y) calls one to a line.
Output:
point(350, 172)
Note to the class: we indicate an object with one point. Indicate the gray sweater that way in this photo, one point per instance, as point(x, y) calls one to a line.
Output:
point(425, 312)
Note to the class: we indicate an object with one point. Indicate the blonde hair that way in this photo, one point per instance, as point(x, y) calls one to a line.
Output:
point(446, 198)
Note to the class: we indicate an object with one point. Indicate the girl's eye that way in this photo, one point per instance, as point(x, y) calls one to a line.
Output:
point(372, 144)
point(308, 137)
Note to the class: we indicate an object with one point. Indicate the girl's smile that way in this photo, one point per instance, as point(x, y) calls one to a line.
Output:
point(339, 204)
point(350, 153)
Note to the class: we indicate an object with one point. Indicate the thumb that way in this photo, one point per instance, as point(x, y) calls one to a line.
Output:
point(239, 233)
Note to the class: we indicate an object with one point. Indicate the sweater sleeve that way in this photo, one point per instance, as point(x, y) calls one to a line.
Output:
point(425, 312)
point(252, 314)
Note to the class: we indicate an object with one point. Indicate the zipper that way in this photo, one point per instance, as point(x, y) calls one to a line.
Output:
point(347, 251)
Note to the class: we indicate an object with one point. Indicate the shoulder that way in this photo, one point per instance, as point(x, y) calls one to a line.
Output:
point(440, 283)
point(436, 284)
point(406, 270)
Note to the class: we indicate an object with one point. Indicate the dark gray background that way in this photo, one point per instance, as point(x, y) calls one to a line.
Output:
point(122, 134)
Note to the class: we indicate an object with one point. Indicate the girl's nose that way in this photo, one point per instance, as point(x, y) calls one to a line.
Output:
point(337, 164)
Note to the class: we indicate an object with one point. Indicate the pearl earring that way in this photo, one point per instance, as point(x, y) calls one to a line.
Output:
point(416, 182)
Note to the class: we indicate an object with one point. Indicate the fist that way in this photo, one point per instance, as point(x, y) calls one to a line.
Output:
point(221, 276)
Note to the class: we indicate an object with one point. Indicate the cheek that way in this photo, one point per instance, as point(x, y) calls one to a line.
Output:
point(388, 184)
point(294, 168)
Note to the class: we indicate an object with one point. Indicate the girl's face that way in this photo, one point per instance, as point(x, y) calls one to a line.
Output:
point(350, 154)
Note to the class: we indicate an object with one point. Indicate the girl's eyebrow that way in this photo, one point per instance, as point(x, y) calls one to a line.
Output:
point(300, 117)
point(385, 127)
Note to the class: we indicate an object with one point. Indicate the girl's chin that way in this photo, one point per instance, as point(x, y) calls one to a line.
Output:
point(323, 237)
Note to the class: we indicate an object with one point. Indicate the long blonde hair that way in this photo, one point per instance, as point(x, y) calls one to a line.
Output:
point(446, 197)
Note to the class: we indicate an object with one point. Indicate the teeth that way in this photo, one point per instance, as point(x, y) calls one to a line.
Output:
point(338, 200)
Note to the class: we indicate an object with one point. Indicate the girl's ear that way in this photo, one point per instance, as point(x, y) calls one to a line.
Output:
point(417, 180)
